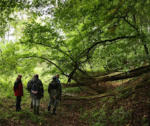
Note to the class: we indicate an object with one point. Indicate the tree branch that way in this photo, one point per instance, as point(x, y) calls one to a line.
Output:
point(126, 75)
point(133, 26)
point(49, 61)
point(87, 51)
point(48, 45)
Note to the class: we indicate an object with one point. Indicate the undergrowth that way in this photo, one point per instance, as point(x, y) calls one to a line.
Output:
point(103, 116)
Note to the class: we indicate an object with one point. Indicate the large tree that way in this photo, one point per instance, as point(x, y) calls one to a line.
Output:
point(76, 36)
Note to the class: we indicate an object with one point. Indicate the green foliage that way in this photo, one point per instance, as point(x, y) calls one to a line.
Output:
point(93, 21)
point(125, 93)
point(29, 115)
point(74, 37)
point(120, 117)
point(145, 121)
point(6, 89)
point(12, 62)
point(8, 7)
point(103, 116)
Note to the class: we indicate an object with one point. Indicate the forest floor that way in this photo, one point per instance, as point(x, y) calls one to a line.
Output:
point(68, 114)
point(127, 104)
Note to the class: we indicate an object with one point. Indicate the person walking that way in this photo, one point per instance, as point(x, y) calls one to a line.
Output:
point(18, 91)
point(37, 93)
point(54, 90)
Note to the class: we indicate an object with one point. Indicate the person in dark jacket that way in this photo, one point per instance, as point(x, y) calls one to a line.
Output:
point(54, 90)
point(29, 86)
point(36, 93)
point(18, 91)
point(60, 88)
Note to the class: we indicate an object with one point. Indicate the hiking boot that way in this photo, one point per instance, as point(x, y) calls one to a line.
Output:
point(54, 111)
point(17, 109)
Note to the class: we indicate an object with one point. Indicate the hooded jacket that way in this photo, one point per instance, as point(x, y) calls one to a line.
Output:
point(18, 87)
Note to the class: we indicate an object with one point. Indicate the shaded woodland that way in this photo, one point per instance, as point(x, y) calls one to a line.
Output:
point(100, 49)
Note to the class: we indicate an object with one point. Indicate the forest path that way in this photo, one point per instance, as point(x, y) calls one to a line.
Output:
point(68, 114)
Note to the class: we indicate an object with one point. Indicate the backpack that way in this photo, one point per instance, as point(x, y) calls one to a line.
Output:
point(54, 84)
point(37, 89)
point(34, 87)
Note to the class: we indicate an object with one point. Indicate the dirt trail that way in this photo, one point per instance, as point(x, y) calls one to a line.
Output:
point(68, 114)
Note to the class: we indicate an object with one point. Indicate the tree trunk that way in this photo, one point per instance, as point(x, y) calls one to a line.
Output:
point(133, 73)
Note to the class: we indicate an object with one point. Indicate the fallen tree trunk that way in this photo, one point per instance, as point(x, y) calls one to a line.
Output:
point(130, 74)
point(126, 75)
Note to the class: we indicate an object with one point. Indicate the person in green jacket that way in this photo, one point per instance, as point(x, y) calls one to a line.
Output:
point(54, 90)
